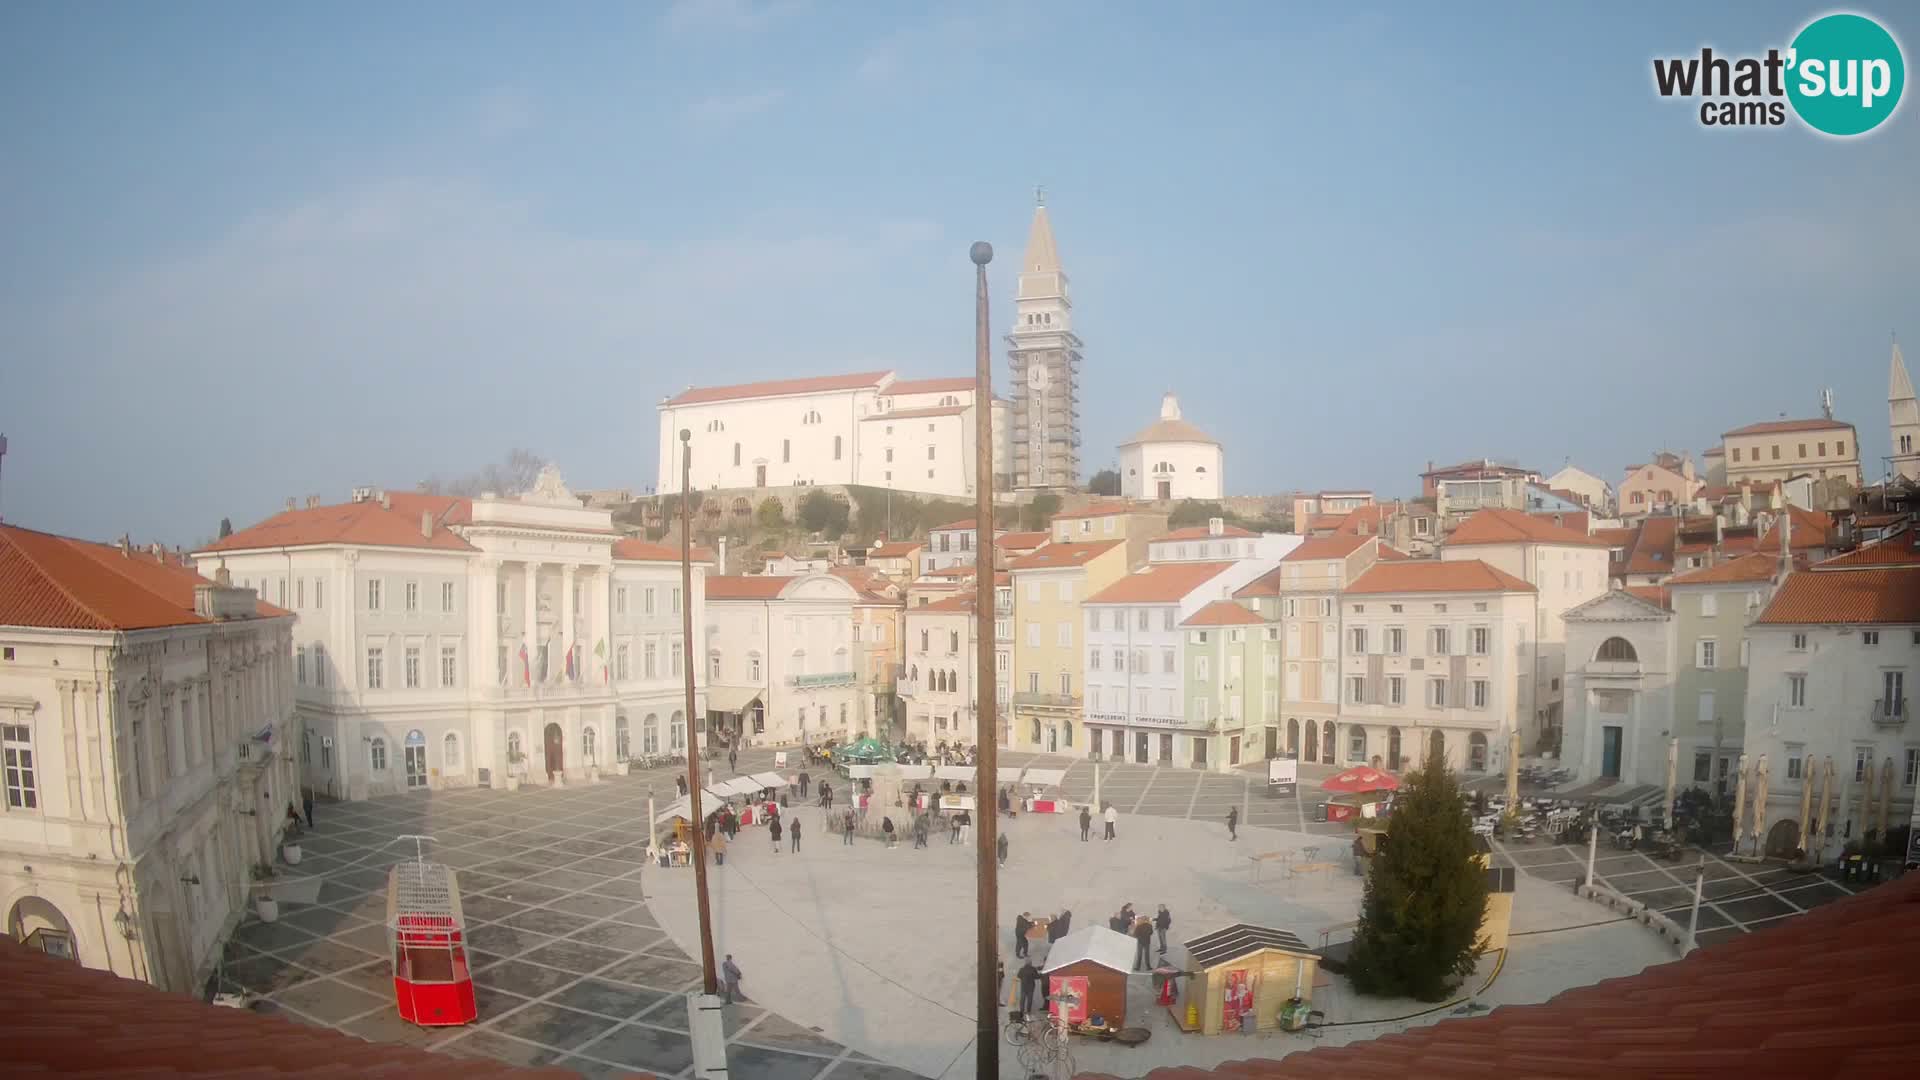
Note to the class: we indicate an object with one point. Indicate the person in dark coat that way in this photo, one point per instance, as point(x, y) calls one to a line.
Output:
point(1143, 941)
point(1057, 929)
point(1162, 922)
point(306, 803)
point(1233, 823)
point(1029, 982)
point(886, 829)
point(773, 830)
point(730, 974)
point(1086, 823)
point(804, 781)
point(1119, 925)
point(733, 760)
point(1021, 925)
point(1001, 846)
point(681, 783)
point(793, 830)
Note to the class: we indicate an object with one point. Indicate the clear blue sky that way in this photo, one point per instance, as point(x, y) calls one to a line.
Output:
point(253, 251)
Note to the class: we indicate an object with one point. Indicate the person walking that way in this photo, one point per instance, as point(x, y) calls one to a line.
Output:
point(1111, 816)
point(733, 760)
point(793, 830)
point(773, 830)
point(1086, 822)
point(1233, 823)
point(681, 783)
point(306, 803)
point(1143, 944)
point(804, 780)
point(966, 826)
point(1000, 848)
point(730, 971)
point(1020, 927)
point(1029, 982)
point(1057, 929)
point(953, 829)
point(920, 831)
point(886, 829)
point(846, 829)
point(1162, 922)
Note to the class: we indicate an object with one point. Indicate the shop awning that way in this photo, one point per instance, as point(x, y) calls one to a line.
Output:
point(1009, 774)
point(678, 808)
point(740, 785)
point(954, 772)
point(731, 699)
point(767, 780)
point(1044, 777)
point(1095, 943)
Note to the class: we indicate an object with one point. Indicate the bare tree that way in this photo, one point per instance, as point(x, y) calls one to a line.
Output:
point(513, 476)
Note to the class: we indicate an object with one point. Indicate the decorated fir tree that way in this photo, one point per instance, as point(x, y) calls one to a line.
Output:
point(1425, 895)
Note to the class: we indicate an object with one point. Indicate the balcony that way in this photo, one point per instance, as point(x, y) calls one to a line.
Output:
point(831, 678)
point(1049, 701)
point(1613, 669)
point(1891, 712)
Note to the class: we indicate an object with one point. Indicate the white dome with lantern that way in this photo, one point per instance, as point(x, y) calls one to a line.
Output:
point(1170, 459)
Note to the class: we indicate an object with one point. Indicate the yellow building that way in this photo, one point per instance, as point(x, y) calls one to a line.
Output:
point(1112, 519)
point(1048, 679)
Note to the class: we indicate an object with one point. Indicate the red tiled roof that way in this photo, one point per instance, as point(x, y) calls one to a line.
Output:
point(1021, 541)
point(1810, 530)
point(910, 414)
point(965, 524)
point(1267, 584)
point(1577, 520)
point(68, 1020)
point(361, 523)
point(899, 549)
point(1476, 467)
point(1201, 532)
point(874, 587)
point(633, 549)
point(1773, 426)
point(1368, 519)
point(958, 570)
point(1901, 549)
point(930, 386)
point(818, 384)
point(1844, 596)
point(1653, 594)
point(1059, 556)
point(1757, 567)
point(1317, 522)
point(1828, 993)
point(1101, 509)
point(1389, 553)
point(1327, 547)
point(746, 587)
point(1514, 527)
point(1716, 450)
point(1652, 549)
point(1617, 537)
point(960, 603)
point(1222, 613)
point(1159, 583)
point(56, 582)
point(1433, 575)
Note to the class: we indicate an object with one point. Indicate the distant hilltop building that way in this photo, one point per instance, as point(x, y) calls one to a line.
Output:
point(872, 428)
point(1172, 459)
point(1043, 356)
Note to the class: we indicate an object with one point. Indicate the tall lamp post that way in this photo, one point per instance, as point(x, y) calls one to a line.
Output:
point(986, 1039)
point(709, 981)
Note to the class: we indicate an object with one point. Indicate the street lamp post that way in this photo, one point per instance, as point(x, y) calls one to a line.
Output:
point(987, 1003)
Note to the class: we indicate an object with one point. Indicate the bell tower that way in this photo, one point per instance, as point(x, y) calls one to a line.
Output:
point(1044, 357)
point(1903, 419)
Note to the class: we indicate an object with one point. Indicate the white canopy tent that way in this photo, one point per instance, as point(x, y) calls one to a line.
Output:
point(1009, 774)
point(1044, 777)
point(915, 772)
point(767, 780)
point(740, 785)
point(955, 772)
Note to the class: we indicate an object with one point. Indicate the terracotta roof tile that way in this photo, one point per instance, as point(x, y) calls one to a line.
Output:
point(1327, 547)
point(818, 384)
point(1222, 613)
point(1810, 530)
point(930, 386)
point(362, 523)
point(1577, 520)
point(960, 603)
point(57, 582)
point(1021, 541)
point(1389, 553)
point(1202, 532)
point(1160, 583)
point(747, 587)
point(1059, 556)
point(1656, 595)
point(913, 414)
point(1433, 575)
point(633, 549)
point(1652, 549)
point(899, 549)
point(1756, 567)
point(1617, 537)
point(1267, 584)
point(1774, 426)
point(965, 524)
point(1901, 549)
point(1514, 527)
point(1847, 596)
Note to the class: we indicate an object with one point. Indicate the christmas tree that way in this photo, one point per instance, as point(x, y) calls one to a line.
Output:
point(1425, 896)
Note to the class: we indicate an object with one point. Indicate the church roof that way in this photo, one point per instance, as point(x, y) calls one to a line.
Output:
point(818, 384)
point(1042, 257)
point(1171, 427)
point(1899, 386)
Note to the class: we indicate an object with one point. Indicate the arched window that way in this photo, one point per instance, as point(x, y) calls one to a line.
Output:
point(1356, 743)
point(1313, 744)
point(736, 453)
point(799, 665)
point(1393, 749)
point(925, 636)
point(1617, 648)
point(1326, 749)
point(1437, 746)
point(841, 663)
point(1066, 732)
point(650, 734)
point(913, 675)
point(843, 714)
point(622, 738)
point(377, 754)
point(1293, 737)
point(677, 731)
point(713, 665)
point(587, 746)
point(953, 681)
point(450, 752)
point(1476, 752)
point(1036, 733)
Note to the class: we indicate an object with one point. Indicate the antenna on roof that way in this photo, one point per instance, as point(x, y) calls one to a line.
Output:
point(1826, 403)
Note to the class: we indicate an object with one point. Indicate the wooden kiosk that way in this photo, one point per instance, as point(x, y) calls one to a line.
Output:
point(1245, 974)
point(1087, 977)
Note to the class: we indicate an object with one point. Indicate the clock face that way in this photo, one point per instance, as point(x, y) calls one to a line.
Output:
point(1038, 376)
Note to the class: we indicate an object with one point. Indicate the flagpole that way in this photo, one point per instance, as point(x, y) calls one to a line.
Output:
point(698, 821)
point(986, 1038)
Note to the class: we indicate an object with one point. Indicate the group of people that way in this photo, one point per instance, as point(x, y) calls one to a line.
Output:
point(1142, 929)
point(1108, 815)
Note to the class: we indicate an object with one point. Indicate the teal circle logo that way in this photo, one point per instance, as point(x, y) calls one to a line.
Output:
point(1845, 74)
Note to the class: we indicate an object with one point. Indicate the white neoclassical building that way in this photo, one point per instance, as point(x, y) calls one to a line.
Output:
point(872, 428)
point(1172, 459)
point(149, 733)
point(442, 641)
point(781, 661)
point(1622, 663)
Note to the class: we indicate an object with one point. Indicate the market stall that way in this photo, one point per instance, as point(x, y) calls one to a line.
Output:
point(1249, 977)
point(1043, 791)
point(1362, 793)
point(1087, 978)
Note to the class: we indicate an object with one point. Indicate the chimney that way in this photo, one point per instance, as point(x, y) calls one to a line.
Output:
point(313, 502)
point(1719, 531)
point(723, 556)
point(156, 550)
point(386, 501)
point(124, 543)
point(426, 524)
point(1786, 545)
point(223, 576)
point(1216, 526)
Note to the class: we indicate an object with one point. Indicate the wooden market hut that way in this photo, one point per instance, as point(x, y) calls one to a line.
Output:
point(1280, 966)
point(1105, 959)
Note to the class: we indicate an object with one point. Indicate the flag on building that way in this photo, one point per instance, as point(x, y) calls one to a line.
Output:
point(600, 651)
point(526, 665)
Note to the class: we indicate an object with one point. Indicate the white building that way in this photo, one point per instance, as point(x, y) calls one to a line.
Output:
point(441, 641)
point(1832, 659)
point(1567, 567)
point(780, 657)
point(1134, 662)
point(937, 690)
point(948, 546)
point(1217, 540)
point(1430, 661)
point(149, 735)
point(1621, 663)
point(1171, 459)
point(1592, 490)
point(870, 428)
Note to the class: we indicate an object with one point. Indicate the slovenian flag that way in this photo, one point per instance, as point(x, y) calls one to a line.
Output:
point(570, 649)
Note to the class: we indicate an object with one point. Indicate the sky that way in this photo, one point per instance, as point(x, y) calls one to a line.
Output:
point(249, 252)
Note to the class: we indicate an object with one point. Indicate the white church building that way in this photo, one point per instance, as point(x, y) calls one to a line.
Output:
point(1171, 459)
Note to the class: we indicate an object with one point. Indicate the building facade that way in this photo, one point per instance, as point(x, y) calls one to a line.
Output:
point(1712, 610)
point(1595, 492)
point(1781, 449)
point(1043, 360)
point(1172, 459)
point(1302, 595)
point(1049, 587)
point(1134, 524)
point(780, 656)
point(1232, 687)
point(942, 670)
point(1621, 665)
point(446, 642)
point(1658, 486)
point(151, 752)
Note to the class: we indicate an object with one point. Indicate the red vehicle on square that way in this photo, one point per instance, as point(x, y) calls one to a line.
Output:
point(432, 984)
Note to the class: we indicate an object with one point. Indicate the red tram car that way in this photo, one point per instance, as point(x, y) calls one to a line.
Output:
point(432, 984)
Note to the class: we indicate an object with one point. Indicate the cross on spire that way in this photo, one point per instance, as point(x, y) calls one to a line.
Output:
point(1039, 195)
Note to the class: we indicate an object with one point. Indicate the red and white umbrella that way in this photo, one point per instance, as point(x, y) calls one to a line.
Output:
point(1362, 779)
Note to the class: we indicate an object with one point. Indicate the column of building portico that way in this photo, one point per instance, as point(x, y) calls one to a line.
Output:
point(564, 635)
point(486, 629)
point(600, 649)
point(530, 633)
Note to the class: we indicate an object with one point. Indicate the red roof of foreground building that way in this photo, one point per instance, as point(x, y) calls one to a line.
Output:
point(1747, 569)
point(1902, 549)
point(1021, 541)
point(1842, 596)
point(899, 549)
point(1656, 595)
point(1160, 583)
point(72, 1021)
point(1828, 993)
point(818, 384)
point(1514, 527)
point(1327, 547)
point(1222, 613)
point(1652, 549)
point(366, 523)
point(1433, 575)
point(1267, 584)
point(1063, 556)
point(56, 582)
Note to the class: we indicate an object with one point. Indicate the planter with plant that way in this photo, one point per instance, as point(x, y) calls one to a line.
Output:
point(264, 904)
point(516, 764)
point(290, 851)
